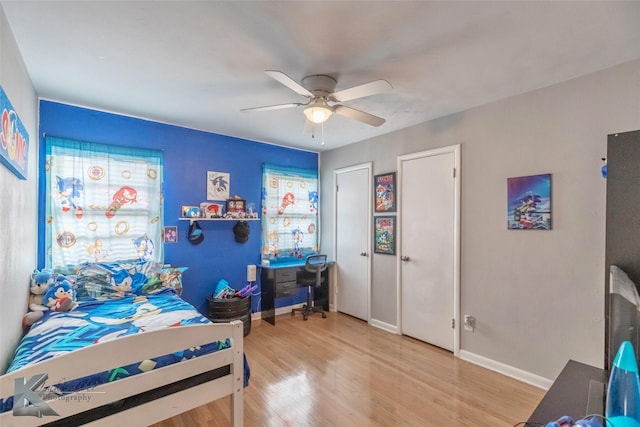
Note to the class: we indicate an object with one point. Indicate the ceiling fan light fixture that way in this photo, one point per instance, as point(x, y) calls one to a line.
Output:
point(318, 112)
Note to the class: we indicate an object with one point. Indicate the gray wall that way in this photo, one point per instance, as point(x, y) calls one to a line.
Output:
point(18, 223)
point(538, 296)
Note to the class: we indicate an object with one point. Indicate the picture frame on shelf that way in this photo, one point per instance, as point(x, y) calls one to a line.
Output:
point(212, 210)
point(384, 235)
point(384, 186)
point(236, 206)
point(190, 211)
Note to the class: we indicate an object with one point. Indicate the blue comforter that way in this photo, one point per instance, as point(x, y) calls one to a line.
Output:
point(101, 320)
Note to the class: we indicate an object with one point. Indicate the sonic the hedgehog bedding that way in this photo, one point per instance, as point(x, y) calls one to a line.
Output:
point(95, 321)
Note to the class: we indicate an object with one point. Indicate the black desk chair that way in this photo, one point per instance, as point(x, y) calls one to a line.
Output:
point(313, 264)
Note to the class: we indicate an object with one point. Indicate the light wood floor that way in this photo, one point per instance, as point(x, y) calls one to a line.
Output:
point(339, 371)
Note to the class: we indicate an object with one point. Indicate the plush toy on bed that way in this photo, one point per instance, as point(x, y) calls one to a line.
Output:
point(41, 281)
point(61, 296)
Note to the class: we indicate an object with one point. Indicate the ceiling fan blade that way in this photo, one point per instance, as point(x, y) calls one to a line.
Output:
point(360, 91)
point(288, 82)
point(361, 116)
point(274, 107)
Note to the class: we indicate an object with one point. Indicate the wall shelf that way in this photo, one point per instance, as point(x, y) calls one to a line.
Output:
point(191, 220)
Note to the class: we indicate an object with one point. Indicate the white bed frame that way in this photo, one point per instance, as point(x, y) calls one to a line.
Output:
point(131, 349)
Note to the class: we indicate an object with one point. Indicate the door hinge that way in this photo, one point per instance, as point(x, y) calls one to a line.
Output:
point(337, 186)
point(453, 323)
point(454, 172)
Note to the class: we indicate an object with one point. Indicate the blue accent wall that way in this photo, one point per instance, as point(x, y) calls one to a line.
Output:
point(188, 155)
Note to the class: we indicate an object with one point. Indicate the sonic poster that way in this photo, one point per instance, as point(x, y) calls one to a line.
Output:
point(14, 140)
point(529, 202)
point(217, 185)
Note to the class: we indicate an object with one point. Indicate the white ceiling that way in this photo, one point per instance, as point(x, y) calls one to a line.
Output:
point(198, 63)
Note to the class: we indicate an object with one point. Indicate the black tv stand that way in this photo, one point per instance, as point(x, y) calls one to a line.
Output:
point(578, 391)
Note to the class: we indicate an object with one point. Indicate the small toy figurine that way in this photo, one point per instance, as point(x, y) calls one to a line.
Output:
point(40, 283)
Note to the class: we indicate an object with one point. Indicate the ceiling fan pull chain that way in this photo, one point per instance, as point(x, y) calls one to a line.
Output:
point(322, 124)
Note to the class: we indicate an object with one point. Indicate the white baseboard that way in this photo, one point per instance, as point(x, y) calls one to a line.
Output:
point(287, 309)
point(510, 371)
point(280, 310)
point(384, 326)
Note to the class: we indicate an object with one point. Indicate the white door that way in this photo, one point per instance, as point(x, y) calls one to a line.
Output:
point(353, 208)
point(428, 261)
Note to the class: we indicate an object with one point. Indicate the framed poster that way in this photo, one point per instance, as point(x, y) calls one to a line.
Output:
point(529, 202)
point(385, 192)
point(170, 234)
point(217, 185)
point(14, 139)
point(384, 235)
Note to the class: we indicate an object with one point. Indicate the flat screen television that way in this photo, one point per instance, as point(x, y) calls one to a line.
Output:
point(624, 313)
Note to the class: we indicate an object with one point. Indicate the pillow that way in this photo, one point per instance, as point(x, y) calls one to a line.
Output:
point(93, 281)
point(168, 278)
point(102, 280)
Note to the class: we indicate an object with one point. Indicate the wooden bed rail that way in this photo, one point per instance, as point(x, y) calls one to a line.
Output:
point(131, 349)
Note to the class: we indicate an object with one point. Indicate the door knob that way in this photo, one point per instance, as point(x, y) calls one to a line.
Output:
point(404, 258)
point(363, 254)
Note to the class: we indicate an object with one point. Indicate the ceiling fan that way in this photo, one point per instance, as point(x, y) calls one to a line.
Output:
point(322, 101)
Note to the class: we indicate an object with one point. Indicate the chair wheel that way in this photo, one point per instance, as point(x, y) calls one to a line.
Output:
point(324, 315)
point(304, 317)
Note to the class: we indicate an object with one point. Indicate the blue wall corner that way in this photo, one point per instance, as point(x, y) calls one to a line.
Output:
point(188, 155)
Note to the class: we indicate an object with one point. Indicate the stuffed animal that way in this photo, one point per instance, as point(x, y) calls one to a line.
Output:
point(41, 281)
point(61, 296)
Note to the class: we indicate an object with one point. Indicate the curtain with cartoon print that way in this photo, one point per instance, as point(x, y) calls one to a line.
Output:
point(103, 204)
point(289, 213)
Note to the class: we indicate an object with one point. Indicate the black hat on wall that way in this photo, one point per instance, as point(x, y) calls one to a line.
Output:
point(195, 234)
point(241, 231)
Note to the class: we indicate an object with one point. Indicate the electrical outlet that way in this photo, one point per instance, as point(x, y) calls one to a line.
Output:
point(251, 273)
point(469, 323)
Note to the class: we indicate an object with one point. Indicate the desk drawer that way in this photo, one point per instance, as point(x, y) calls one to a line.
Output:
point(285, 289)
point(285, 275)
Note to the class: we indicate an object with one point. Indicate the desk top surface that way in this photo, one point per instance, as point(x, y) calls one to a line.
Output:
point(292, 264)
point(578, 391)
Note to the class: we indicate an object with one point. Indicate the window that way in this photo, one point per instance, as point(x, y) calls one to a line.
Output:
point(289, 213)
point(103, 204)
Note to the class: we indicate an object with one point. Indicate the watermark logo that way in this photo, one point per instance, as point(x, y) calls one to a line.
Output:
point(26, 401)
